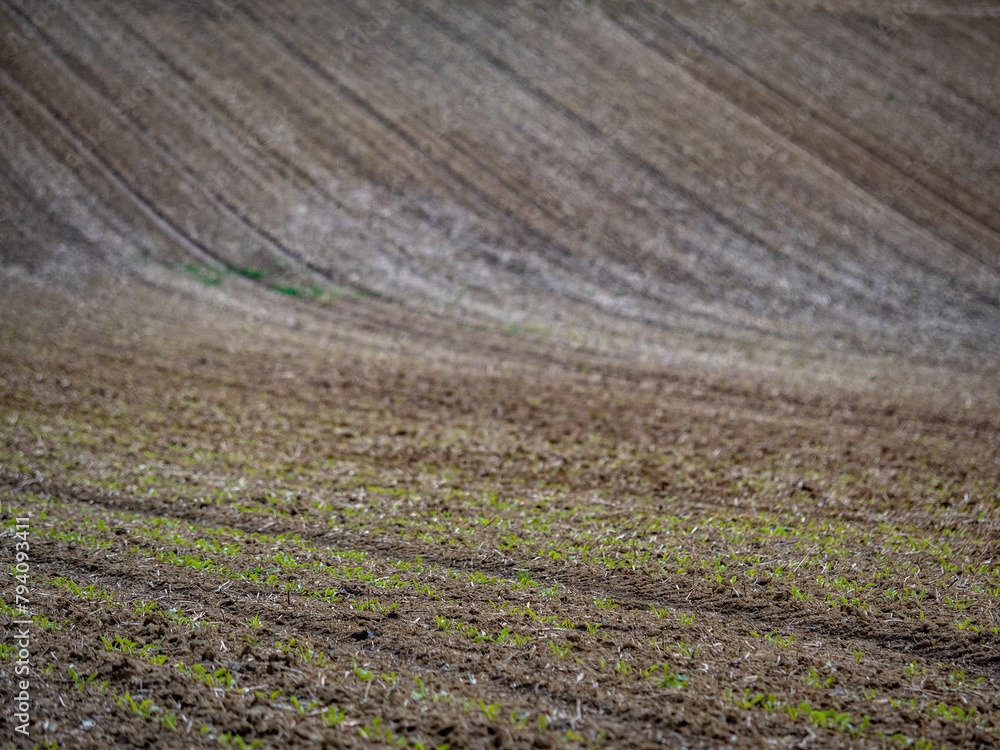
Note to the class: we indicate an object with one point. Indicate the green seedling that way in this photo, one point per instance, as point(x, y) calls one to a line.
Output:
point(519, 720)
point(767, 702)
point(490, 710)
point(79, 682)
point(561, 651)
point(683, 649)
point(376, 731)
point(332, 717)
point(774, 639)
point(231, 739)
point(362, 674)
point(814, 679)
point(667, 677)
point(420, 691)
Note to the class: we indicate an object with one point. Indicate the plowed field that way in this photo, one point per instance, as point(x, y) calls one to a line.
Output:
point(260, 534)
point(424, 374)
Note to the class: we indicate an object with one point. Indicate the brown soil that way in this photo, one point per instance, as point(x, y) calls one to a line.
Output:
point(594, 374)
point(820, 175)
point(523, 534)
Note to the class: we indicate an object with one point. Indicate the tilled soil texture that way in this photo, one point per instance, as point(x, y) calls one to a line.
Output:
point(322, 534)
point(605, 374)
point(813, 174)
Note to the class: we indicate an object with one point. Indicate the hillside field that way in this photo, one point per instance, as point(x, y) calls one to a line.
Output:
point(470, 375)
point(290, 537)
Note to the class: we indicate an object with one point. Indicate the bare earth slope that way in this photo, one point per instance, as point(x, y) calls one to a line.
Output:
point(336, 530)
point(585, 374)
point(819, 173)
